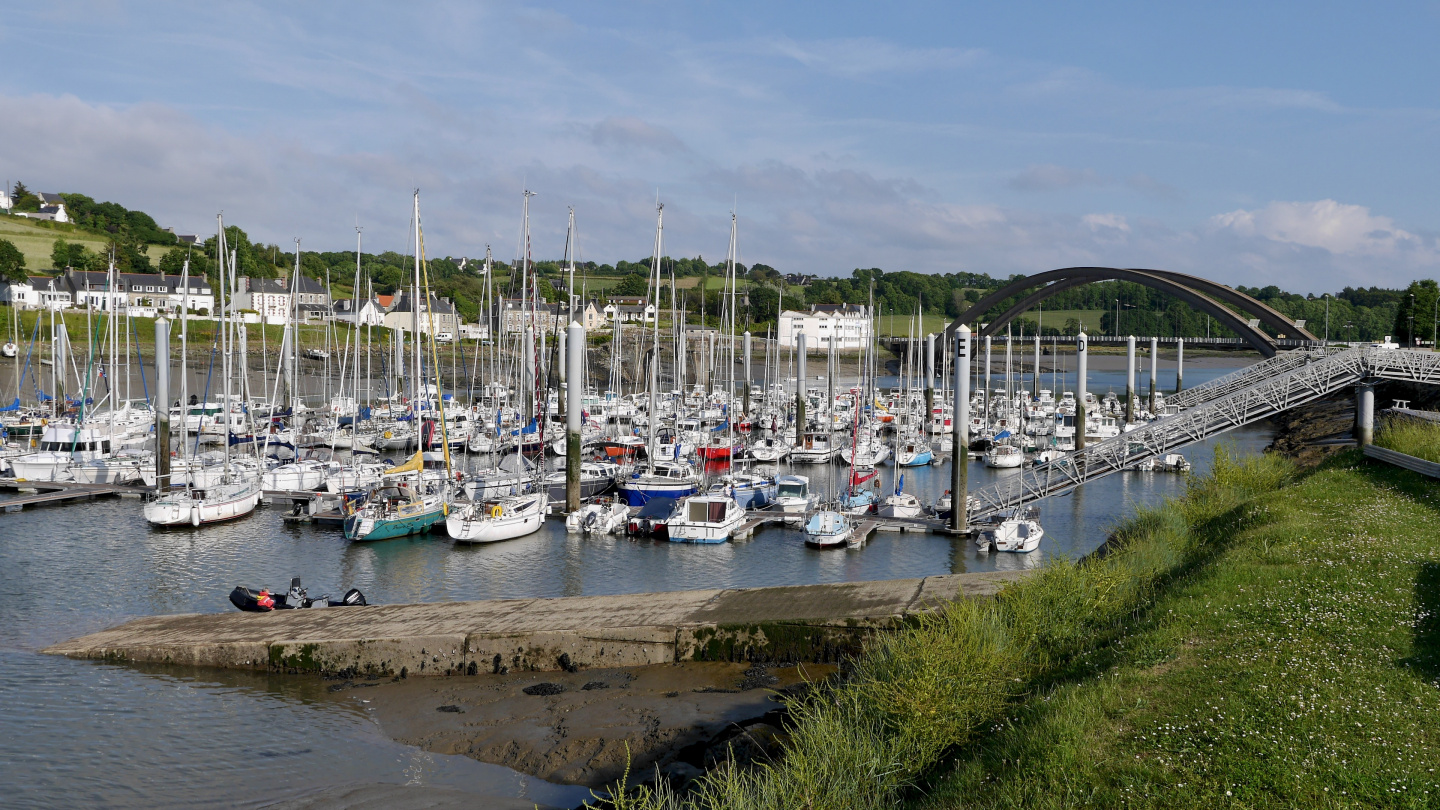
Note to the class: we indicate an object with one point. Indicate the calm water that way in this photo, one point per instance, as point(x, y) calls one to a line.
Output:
point(74, 732)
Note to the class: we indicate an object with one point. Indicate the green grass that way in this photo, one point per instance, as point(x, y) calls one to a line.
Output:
point(1299, 668)
point(38, 241)
point(1411, 436)
point(1269, 640)
point(900, 324)
point(1055, 318)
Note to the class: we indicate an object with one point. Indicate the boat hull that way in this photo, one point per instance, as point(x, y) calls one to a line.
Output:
point(361, 529)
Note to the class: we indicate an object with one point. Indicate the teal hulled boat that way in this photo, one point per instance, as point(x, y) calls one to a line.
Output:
point(394, 512)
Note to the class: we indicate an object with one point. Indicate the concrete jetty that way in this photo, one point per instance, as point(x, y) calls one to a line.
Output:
point(795, 623)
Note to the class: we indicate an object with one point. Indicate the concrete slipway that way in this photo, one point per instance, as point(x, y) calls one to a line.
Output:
point(797, 623)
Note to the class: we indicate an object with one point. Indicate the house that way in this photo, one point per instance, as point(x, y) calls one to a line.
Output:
point(847, 326)
point(275, 300)
point(19, 294)
point(516, 314)
point(625, 313)
point(370, 313)
point(591, 316)
point(5, 201)
point(51, 292)
point(146, 291)
point(798, 279)
point(438, 316)
point(53, 213)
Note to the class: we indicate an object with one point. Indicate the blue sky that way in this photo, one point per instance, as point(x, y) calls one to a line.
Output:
point(1281, 143)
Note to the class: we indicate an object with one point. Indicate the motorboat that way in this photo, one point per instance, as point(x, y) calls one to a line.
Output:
point(596, 478)
point(749, 490)
point(653, 518)
point(298, 476)
point(263, 600)
point(1015, 530)
point(123, 468)
point(605, 516)
point(665, 479)
point(62, 446)
point(1004, 456)
point(355, 477)
point(816, 448)
point(705, 519)
point(502, 519)
point(793, 497)
point(828, 529)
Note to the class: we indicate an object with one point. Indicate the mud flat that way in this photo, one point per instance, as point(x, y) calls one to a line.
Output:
point(807, 623)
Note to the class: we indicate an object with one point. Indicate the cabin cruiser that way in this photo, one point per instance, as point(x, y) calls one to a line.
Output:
point(815, 448)
point(705, 519)
point(1015, 530)
point(749, 490)
point(793, 497)
point(663, 479)
point(62, 446)
point(596, 478)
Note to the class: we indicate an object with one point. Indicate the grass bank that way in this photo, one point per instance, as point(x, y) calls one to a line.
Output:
point(1413, 437)
point(1271, 639)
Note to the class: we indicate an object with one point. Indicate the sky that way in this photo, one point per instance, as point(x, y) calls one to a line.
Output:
point(1251, 143)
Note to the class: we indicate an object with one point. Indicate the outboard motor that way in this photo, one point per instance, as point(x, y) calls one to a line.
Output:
point(352, 598)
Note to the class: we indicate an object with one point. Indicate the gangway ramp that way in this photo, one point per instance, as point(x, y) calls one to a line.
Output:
point(1263, 398)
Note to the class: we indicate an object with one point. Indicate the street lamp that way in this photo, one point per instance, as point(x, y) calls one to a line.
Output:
point(1412, 320)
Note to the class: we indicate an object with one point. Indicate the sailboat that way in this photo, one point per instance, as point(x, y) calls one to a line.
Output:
point(660, 479)
point(238, 492)
point(900, 504)
point(511, 516)
point(408, 500)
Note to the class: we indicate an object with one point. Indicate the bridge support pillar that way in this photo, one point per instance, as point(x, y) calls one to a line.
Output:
point(929, 381)
point(1364, 414)
point(1179, 364)
point(1082, 353)
point(960, 433)
point(1130, 380)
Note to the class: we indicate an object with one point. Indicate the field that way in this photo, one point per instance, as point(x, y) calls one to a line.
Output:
point(37, 241)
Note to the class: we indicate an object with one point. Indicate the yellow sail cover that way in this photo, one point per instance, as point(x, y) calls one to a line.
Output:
point(415, 464)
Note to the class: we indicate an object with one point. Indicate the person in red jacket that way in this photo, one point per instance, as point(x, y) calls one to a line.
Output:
point(265, 600)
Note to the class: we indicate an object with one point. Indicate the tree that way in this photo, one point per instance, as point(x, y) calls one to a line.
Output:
point(632, 285)
point(764, 303)
point(60, 254)
point(1423, 294)
point(12, 261)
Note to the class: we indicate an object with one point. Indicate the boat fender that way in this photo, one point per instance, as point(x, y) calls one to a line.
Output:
point(194, 516)
point(496, 511)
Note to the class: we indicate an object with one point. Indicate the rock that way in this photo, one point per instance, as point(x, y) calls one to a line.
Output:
point(566, 664)
point(761, 742)
point(757, 677)
point(594, 685)
point(450, 708)
point(544, 689)
point(679, 775)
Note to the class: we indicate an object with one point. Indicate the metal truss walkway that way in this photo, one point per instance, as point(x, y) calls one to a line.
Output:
point(1273, 386)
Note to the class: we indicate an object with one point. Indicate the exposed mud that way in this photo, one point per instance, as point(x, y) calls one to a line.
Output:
point(579, 728)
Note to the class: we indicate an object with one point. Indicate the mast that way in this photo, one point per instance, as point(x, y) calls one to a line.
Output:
point(654, 412)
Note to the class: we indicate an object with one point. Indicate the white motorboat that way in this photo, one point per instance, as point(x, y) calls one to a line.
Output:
point(224, 501)
point(359, 476)
point(121, 469)
point(601, 517)
point(900, 505)
point(705, 519)
point(62, 446)
point(1017, 530)
point(1004, 456)
point(793, 496)
point(828, 529)
point(817, 448)
point(502, 519)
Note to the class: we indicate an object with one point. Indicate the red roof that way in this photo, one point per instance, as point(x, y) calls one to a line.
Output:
point(385, 300)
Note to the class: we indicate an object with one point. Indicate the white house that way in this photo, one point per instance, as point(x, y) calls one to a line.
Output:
point(846, 325)
point(19, 294)
point(370, 313)
point(142, 292)
point(51, 293)
point(626, 313)
point(437, 317)
point(515, 313)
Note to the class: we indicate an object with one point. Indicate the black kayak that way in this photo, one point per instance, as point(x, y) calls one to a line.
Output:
point(251, 600)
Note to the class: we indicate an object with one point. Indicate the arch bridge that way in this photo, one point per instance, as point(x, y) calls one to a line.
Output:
point(1207, 296)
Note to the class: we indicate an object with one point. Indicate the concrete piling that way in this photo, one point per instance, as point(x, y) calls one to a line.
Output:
point(1179, 364)
point(929, 376)
point(574, 406)
point(960, 432)
point(1082, 353)
point(1130, 380)
point(1154, 367)
point(1364, 414)
point(747, 374)
point(800, 390)
point(162, 404)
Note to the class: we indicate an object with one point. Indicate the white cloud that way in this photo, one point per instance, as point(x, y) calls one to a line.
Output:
point(1328, 225)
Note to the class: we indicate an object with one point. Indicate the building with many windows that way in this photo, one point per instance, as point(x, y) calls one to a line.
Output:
point(272, 298)
point(847, 326)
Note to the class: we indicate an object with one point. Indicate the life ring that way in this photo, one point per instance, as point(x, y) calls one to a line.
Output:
point(497, 511)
